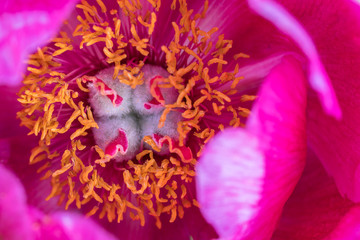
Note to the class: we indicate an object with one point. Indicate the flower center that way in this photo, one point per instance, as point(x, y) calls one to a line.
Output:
point(117, 132)
point(130, 120)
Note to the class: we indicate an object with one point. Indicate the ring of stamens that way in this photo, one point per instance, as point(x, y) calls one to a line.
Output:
point(58, 108)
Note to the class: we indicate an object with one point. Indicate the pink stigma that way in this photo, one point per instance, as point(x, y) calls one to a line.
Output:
point(119, 144)
point(105, 90)
point(155, 89)
point(174, 147)
point(153, 101)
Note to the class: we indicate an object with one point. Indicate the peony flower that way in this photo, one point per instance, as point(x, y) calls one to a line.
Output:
point(263, 162)
point(123, 100)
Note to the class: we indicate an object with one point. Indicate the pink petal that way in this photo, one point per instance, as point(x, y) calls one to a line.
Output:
point(46, 227)
point(79, 227)
point(318, 77)
point(65, 225)
point(25, 26)
point(349, 226)
point(246, 175)
point(316, 209)
point(230, 181)
point(14, 221)
point(18, 221)
point(336, 33)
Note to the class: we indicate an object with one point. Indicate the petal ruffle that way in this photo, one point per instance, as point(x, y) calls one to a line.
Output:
point(24, 27)
point(254, 170)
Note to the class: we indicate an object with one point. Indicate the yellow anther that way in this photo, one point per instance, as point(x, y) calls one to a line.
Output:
point(241, 55)
point(246, 98)
point(92, 211)
point(102, 6)
point(62, 170)
point(84, 176)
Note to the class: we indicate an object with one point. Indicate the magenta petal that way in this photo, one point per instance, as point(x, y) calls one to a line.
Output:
point(349, 226)
point(278, 120)
point(18, 221)
point(78, 227)
point(246, 175)
point(336, 33)
point(46, 227)
point(14, 220)
point(318, 77)
point(24, 26)
point(315, 209)
point(65, 226)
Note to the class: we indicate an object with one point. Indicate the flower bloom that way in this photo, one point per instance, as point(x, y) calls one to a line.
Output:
point(124, 99)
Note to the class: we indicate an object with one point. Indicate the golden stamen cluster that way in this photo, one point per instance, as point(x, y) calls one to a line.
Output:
point(55, 108)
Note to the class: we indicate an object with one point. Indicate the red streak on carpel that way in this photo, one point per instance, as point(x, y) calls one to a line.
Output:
point(157, 138)
point(151, 103)
point(155, 89)
point(184, 152)
point(105, 90)
point(119, 144)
